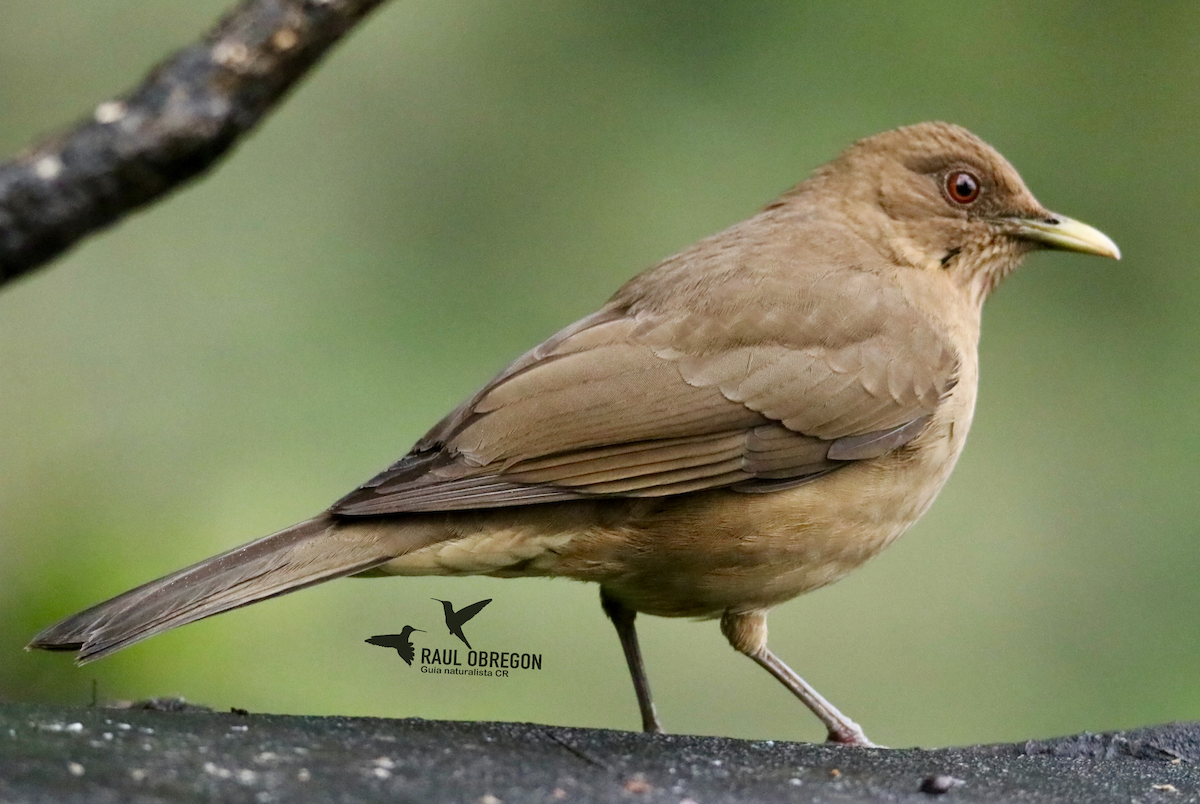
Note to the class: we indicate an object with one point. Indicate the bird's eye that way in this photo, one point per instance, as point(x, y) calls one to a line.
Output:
point(962, 187)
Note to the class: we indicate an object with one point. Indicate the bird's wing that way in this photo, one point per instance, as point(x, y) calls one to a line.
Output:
point(387, 641)
point(759, 383)
point(467, 612)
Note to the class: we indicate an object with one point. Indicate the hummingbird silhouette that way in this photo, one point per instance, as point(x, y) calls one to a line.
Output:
point(400, 641)
point(455, 620)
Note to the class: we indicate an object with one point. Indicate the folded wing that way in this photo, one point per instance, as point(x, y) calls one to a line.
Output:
point(773, 387)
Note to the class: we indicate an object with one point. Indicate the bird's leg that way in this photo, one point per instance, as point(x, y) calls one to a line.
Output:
point(622, 619)
point(747, 632)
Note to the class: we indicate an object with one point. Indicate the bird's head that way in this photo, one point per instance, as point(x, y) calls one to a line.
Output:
point(935, 196)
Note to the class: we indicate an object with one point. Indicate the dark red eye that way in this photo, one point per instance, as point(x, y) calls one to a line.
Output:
point(962, 187)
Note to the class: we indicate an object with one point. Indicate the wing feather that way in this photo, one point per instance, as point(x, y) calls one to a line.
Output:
point(771, 380)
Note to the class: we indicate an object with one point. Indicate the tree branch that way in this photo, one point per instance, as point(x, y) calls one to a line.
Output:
point(185, 115)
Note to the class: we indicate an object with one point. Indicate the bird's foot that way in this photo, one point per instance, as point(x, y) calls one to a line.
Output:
point(650, 722)
point(851, 736)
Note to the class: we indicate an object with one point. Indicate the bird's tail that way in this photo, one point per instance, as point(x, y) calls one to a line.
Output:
point(305, 554)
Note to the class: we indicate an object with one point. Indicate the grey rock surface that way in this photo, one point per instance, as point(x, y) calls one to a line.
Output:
point(188, 754)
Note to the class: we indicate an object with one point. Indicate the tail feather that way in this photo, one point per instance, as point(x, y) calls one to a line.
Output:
point(305, 554)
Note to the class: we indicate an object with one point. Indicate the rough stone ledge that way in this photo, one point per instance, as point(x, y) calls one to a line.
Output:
point(186, 754)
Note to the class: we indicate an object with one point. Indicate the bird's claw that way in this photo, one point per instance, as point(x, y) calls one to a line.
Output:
point(856, 738)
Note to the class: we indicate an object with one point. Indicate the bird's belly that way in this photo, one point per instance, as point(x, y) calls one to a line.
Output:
point(719, 551)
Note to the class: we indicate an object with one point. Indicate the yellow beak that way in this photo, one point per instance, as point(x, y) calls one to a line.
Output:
point(1061, 232)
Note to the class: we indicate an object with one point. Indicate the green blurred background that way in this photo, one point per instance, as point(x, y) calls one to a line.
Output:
point(459, 180)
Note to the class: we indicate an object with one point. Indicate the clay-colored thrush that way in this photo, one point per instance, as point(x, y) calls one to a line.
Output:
point(746, 421)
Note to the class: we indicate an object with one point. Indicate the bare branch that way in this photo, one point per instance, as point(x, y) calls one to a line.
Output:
point(183, 117)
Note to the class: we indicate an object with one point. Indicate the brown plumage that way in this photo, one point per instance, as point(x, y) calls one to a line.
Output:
point(749, 420)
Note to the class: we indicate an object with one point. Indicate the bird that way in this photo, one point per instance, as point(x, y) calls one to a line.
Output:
point(746, 421)
point(455, 620)
point(404, 647)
